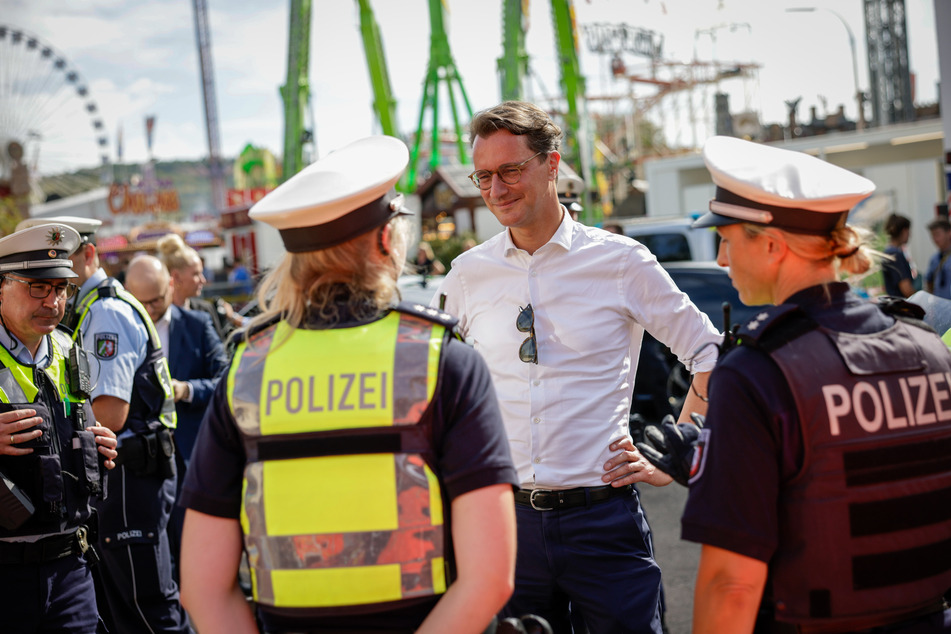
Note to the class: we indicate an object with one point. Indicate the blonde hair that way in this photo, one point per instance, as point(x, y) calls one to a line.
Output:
point(175, 254)
point(846, 248)
point(314, 283)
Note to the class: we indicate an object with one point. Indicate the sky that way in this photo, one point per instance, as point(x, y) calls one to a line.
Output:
point(139, 58)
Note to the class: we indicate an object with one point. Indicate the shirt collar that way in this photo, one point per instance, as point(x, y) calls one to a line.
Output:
point(167, 317)
point(20, 352)
point(94, 280)
point(561, 237)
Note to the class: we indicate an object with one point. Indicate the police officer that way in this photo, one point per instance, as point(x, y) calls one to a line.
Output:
point(133, 397)
point(51, 450)
point(355, 448)
point(820, 482)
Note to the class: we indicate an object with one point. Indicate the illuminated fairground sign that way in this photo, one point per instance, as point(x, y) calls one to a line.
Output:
point(246, 197)
point(128, 199)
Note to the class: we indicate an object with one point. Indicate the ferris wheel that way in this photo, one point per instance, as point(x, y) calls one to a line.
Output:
point(49, 122)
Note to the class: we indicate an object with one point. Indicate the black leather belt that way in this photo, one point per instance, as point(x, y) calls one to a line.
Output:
point(543, 500)
point(46, 549)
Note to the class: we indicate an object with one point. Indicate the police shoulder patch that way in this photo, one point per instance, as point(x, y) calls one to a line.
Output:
point(431, 314)
point(107, 345)
point(768, 319)
point(699, 456)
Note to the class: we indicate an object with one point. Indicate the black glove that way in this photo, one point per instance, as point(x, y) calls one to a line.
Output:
point(670, 446)
point(528, 624)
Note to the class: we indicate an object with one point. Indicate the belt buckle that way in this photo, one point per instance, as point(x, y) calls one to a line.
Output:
point(82, 538)
point(531, 500)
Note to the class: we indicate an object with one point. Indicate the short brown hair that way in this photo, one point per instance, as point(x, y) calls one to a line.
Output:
point(939, 223)
point(519, 118)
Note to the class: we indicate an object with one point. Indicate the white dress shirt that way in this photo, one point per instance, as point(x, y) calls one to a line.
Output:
point(593, 293)
point(161, 328)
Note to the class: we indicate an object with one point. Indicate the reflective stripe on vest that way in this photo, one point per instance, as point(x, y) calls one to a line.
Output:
point(339, 507)
point(167, 415)
point(16, 380)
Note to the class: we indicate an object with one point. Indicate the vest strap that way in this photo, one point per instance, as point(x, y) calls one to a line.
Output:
point(377, 440)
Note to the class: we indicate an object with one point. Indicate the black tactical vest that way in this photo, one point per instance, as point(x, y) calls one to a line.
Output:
point(63, 472)
point(865, 527)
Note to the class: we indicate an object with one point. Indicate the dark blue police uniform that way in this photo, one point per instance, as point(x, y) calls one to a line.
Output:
point(471, 452)
point(136, 590)
point(754, 449)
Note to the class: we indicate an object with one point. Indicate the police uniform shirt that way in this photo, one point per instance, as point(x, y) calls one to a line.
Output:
point(114, 334)
point(20, 352)
point(469, 444)
point(939, 274)
point(752, 417)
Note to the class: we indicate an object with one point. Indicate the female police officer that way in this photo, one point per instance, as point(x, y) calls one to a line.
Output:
point(822, 473)
point(343, 427)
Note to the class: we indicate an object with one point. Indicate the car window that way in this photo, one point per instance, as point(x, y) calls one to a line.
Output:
point(708, 290)
point(667, 247)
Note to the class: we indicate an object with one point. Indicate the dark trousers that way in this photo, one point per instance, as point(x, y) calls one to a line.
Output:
point(598, 558)
point(135, 589)
point(53, 596)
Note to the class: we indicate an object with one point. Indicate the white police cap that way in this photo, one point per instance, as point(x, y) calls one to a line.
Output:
point(39, 252)
point(339, 197)
point(779, 188)
point(85, 227)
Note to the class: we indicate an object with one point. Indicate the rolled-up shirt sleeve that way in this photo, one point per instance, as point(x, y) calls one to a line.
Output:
point(667, 313)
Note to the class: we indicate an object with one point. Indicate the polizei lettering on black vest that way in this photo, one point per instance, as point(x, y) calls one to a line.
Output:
point(328, 393)
point(890, 403)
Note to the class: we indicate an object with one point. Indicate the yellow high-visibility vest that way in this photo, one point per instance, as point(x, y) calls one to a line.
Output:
point(16, 380)
point(340, 507)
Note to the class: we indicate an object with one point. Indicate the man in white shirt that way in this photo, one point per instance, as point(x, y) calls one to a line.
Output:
point(558, 309)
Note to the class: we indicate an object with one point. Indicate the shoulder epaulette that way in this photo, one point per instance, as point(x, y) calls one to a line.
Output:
point(241, 335)
point(428, 313)
point(774, 326)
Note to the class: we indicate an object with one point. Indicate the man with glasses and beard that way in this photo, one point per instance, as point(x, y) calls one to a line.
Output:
point(132, 395)
point(51, 450)
point(558, 310)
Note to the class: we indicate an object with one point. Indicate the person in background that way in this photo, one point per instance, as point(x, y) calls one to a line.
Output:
point(425, 262)
point(196, 358)
point(132, 396)
point(355, 449)
point(613, 227)
point(897, 271)
point(49, 443)
point(240, 277)
point(938, 277)
point(811, 435)
point(558, 310)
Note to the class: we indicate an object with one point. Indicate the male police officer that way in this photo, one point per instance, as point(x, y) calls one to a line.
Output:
point(48, 442)
point(133, 397)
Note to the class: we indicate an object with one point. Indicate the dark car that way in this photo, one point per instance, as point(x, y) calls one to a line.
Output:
point(661, 383)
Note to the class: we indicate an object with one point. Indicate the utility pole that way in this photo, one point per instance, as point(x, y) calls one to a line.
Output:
point(203, 35)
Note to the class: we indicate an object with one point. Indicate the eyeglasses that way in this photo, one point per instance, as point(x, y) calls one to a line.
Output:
point(41, 290)
point(510, 173)
point(525, 322)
